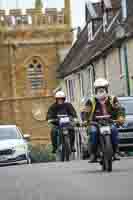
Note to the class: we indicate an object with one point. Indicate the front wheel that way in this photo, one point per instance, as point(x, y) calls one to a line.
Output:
point(66, 148)
point(107, 154)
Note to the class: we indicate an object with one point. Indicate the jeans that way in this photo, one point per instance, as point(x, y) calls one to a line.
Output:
point(94, 135)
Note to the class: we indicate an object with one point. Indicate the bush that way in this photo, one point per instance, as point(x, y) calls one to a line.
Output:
point(41, 153)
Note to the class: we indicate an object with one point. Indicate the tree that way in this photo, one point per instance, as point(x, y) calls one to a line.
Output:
point(38, 4)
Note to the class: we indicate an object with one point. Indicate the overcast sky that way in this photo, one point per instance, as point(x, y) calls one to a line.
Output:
point(77, 6)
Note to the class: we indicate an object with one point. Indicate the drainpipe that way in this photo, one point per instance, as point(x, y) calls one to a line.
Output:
point(126, 69)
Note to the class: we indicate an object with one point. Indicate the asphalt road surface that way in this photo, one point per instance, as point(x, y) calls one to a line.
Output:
point(76, 180)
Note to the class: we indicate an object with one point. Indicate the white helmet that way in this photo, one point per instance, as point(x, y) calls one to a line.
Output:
point(101, 82)
point(60, 95)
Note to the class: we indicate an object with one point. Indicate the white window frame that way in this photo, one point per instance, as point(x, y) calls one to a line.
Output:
point(91, 78)
point(105, 21)
point(90, 31)
point(84, 84)
point(124, 9)
point(121, 61)
point(81, 82)
point(70, 86)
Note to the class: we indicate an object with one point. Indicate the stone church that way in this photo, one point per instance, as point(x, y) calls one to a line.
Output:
point(33, 42)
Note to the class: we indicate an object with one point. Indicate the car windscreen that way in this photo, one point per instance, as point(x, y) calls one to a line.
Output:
point(8, 133)
point(128, 105)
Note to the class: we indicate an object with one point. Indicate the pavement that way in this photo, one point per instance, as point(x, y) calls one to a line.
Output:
point(75, 180)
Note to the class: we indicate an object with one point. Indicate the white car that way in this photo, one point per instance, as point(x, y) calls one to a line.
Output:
point(13, 146)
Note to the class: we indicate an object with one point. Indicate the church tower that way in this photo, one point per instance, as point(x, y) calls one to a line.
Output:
point(32, 45)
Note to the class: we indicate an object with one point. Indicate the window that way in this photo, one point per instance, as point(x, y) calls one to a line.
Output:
point(90, 31)
point(35, 75)
point(124, 9)
point(70, 89)
point(86, 82)
point(91, 80)
point(82, 84)
point(121, 61)
point(105, 21)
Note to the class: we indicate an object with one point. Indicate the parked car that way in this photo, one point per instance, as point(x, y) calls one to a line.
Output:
point(13, 146)
point(126, 131)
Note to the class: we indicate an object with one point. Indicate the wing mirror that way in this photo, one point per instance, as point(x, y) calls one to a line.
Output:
point(27, 137)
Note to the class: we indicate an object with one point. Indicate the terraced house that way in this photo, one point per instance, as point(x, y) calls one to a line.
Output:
point(32, 43)
point(104, 48)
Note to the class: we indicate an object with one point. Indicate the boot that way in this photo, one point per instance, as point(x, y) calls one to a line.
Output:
point(72, 140)
point(93, 156)
point(116, 152)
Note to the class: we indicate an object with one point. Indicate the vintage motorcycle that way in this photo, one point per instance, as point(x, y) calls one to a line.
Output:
point(105, 142)
point(65, 124)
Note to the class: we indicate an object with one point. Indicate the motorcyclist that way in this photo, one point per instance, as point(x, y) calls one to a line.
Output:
point(102, 104)
point(60, 107)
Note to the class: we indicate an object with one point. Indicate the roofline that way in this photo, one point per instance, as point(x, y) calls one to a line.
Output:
point(97, 55)
point(73, 46)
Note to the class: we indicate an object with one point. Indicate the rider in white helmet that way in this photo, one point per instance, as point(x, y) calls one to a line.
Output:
point(101, 87)
point(101, 104)
point(58, 108)
point(60, 95)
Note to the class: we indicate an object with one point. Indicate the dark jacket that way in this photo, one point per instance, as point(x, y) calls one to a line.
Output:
point(61, 109)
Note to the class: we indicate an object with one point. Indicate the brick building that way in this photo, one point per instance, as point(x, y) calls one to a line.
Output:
point(32, 44)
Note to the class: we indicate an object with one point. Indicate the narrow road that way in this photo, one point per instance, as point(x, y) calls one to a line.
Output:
point(76, 180)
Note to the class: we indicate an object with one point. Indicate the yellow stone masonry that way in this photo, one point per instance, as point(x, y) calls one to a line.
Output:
point(30, 54)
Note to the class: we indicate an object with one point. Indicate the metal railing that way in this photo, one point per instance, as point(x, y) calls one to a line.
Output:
point(80, 137)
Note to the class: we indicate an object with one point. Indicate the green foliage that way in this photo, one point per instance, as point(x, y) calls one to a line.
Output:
point(38, 4)
point(41, 153)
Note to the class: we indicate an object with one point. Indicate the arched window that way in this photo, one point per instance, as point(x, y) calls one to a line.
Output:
point(35, 75)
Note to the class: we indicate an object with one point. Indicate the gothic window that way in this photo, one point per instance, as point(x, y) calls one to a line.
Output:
point(35, 75)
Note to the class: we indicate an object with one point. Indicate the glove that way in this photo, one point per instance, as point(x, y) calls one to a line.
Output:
point(76, 122)
point(121, 120)
point(51, 123)
point(84, 123)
